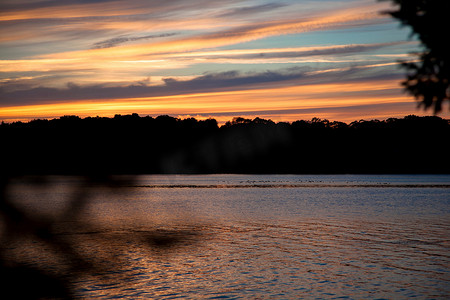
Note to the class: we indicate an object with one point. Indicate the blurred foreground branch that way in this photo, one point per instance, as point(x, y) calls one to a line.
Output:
point(44, 254)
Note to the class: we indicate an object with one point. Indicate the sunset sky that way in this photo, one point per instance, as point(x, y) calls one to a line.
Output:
point(284, 60)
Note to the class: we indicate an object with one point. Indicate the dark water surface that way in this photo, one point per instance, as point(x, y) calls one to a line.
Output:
point(255, 236)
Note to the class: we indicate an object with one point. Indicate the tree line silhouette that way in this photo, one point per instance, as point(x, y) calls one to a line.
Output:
point(130, 144)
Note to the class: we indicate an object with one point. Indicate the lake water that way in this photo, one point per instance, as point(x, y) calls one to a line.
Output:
point(248, 236)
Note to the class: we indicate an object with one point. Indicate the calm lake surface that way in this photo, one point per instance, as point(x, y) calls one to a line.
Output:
point(252, 236)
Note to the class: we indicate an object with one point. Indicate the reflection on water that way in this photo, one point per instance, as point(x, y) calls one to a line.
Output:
point(227, 237)
point(307, 259)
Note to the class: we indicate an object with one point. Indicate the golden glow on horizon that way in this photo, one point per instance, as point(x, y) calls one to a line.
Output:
point(315, 96)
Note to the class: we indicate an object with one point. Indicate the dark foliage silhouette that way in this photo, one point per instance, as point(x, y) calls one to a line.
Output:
point(429, 78)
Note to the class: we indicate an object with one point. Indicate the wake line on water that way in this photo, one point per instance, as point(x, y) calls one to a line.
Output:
point(234, 186)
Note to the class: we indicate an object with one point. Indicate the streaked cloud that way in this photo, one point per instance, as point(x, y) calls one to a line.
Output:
point(277, 53)
point(120, 40)
point(249, 10)
point(208, 83)
point(240, 34)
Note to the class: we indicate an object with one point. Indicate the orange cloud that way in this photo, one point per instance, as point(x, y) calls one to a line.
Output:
point(229, 37)
point(281, 101)
point(114, 8)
